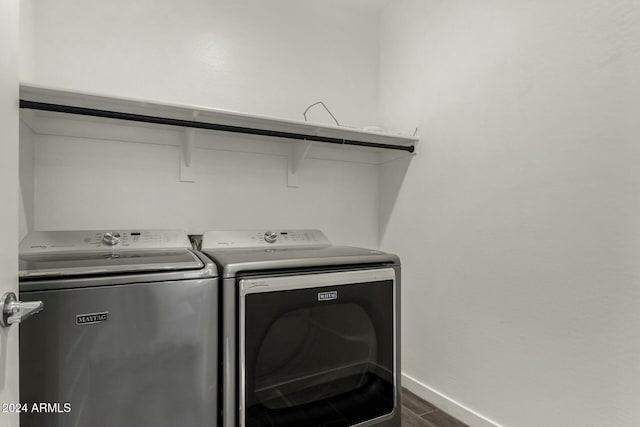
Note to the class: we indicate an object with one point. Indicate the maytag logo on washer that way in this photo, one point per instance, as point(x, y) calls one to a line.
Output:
point(327, 296)
point(92, 318)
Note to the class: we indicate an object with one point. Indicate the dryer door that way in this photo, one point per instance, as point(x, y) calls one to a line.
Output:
point(317, 349)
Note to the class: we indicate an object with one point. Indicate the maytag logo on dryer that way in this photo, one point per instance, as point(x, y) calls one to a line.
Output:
point(327, 296)
point(92, 318)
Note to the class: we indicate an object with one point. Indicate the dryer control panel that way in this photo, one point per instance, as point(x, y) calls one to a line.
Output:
point(275, 238)
point(95, 240)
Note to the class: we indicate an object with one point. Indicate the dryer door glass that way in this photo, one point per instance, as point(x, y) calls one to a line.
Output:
point(319, 356)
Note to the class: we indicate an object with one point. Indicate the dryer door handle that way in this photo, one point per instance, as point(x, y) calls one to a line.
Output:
point(14, 311)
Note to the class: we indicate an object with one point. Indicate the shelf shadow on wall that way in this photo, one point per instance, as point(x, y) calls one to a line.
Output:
point(392, 176)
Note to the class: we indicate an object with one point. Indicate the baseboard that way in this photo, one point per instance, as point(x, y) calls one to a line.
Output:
point(446, 404)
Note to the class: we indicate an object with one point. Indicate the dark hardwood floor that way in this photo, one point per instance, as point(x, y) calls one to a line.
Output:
point(418, 413)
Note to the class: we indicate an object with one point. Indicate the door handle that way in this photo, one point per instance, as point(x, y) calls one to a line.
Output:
point(14, 311)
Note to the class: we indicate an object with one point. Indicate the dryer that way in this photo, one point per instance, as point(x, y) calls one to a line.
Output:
point(129, 332)
point(310, 331)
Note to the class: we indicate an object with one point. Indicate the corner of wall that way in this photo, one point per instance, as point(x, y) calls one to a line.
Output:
point(446, 404)
point(26, 191)
point(27, 40)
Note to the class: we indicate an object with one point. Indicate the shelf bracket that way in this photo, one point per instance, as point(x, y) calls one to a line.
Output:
point(295, 158)
point(187, 174)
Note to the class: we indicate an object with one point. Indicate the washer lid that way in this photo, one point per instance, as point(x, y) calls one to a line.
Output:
point(61, 264)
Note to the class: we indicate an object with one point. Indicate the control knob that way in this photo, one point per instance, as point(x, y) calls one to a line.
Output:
point(270, 236)
point(111, 238)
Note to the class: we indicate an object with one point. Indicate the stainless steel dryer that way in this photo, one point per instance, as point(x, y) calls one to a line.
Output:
point(129, 332)
point(310, 330)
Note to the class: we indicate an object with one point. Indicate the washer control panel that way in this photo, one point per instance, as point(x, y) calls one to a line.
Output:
point(217, 239)
point(73, 241)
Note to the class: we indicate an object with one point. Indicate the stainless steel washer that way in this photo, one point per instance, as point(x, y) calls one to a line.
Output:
point(129, 331)
point(310, 330)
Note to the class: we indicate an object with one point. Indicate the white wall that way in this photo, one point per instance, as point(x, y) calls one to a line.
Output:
point(83, 183)
point(518, 221)
point(273, 58)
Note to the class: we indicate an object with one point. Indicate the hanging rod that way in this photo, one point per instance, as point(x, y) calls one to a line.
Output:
point(43, 106)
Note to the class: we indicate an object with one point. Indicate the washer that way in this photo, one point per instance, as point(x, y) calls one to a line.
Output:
point(310, 330)
point(129, 331)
